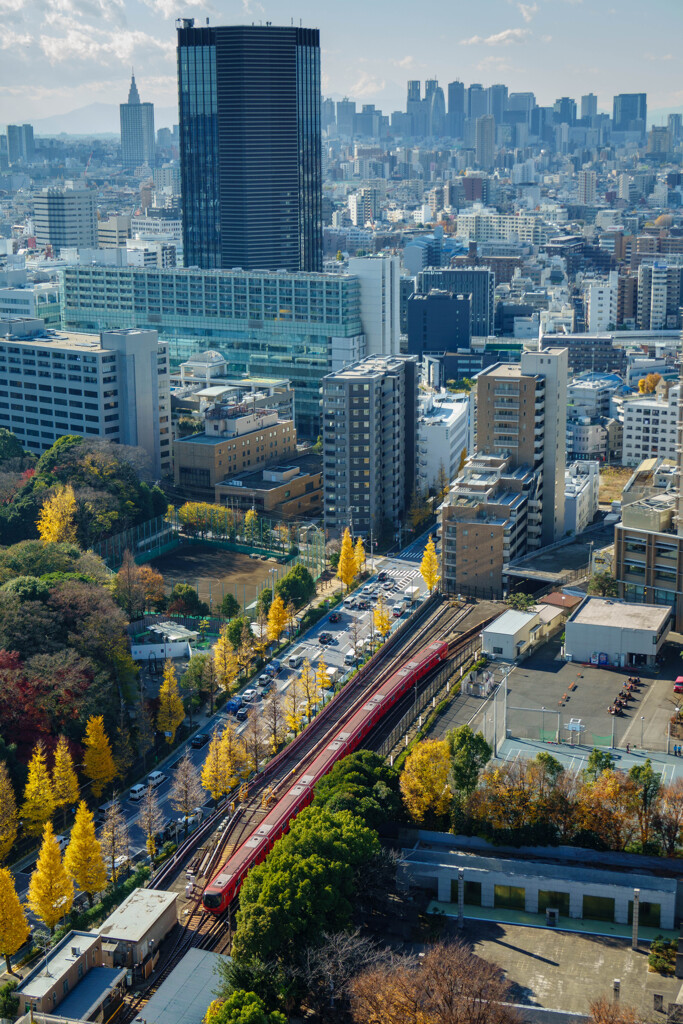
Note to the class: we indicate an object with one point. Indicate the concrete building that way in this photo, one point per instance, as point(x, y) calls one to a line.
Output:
point(509, 498)
point(581, 489)
point(137, 131)
point(65, 218)
point(578, 891)
point(485, 138)
point(369, 443)
point(625, 634)
point(113, 232)
point(290, 490)
point(650, 427)
point(21, 297)
point(588, 183)
point(477, 282)
point(236, 438)
point(380, 302)
point(591, 352)
point(296, 326)
point(442, 436)
point(600, 299)
point(480, 225)
point(72, 982)
point(113, 385)
point(515, 633)
point(659, 294)
point(185, 996)
point(438, 322)
point(138, 926)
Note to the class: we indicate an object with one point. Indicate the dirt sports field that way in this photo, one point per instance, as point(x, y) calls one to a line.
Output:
point(215, 571)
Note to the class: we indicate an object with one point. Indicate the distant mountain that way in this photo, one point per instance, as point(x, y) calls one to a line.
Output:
point(96, 119)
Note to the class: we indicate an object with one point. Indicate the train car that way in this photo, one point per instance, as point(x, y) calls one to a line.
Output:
point(223, 888)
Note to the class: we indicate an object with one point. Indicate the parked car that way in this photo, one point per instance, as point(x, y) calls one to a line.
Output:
point(137, 793)
point(248, 695)
point(242, 714)
point(192, 819)
point(678, 685)
point(325, 638)
point(382, 576)
point(233, 705)
point(156, 779)
point(335, 617)
point(200, 740)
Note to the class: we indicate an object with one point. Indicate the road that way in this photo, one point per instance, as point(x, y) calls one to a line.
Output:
point(416, 549)
point(355, 625)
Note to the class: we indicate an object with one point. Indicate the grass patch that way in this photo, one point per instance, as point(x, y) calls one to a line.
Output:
point(612, 482)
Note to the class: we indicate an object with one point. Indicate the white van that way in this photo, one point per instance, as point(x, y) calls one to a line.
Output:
point(137, 792)
point(350, 657)
point(294, 660)
point(155, 779)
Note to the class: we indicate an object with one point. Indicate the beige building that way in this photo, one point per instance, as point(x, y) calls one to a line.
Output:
point(54, 986)
point(138, 925)
point(236, 438)
point(509, 498)
point(290, 489)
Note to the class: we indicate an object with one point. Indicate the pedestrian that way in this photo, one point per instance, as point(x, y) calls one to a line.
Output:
point(628, 748)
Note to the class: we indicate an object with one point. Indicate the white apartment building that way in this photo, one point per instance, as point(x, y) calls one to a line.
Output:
point(659, 294)
point(484, 225)
point(146, 228)
point(581, 487)
point(442, 436)
point(650, 426)
point(588, 186)
point(380, 302)
point(114, 385)
point(20, 297)
point(600, 299)
point(65, 217)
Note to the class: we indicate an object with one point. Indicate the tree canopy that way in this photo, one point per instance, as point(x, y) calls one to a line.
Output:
point(365, 785)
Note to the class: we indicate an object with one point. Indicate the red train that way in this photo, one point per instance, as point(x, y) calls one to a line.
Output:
point(221, 890)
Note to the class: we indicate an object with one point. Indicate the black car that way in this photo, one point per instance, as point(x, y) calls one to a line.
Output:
point(335, 617)
point(382, 576)
point(325, 638)
point(363, 605)
point(200, 740)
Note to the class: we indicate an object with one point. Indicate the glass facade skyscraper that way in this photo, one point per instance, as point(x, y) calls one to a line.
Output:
point(249, 103)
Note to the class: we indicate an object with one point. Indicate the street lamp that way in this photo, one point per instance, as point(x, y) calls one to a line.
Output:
point(642, 726)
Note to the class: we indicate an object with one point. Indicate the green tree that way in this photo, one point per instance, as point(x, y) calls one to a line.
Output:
point(469, 754)
point(520, 602)
point(242, 1007)
point(599, 761)
point(184, 600)
point(603, 584)
point(297, 586)
point(649, 784)
point(235, 628)
point(305, 886)
point(230, 606)
point(365, 785)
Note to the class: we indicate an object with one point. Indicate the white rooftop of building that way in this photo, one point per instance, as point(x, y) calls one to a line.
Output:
point(601, 611)
point(137, 914)
point(42, 978)
point(511, 621)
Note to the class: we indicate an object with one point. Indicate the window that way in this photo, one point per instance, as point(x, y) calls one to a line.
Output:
point(557, 900)
point(511, 897)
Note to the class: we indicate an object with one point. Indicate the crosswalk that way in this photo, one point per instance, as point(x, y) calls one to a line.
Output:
point(414, 551)
point(402, 574)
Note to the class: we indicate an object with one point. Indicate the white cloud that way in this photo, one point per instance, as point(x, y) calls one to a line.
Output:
point(174, 8)
point(118, 46)
point(527, 11)
point(656, 57)
point(366, 85)
point(404, 62)
point(10, 39)
point(504, 38)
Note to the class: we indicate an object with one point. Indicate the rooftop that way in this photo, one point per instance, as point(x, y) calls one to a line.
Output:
point(135, 916)
point(307, 464)
point(601, 611)
point(89, 993)
point(511, 621)
point(58, 962)
point(187, 992)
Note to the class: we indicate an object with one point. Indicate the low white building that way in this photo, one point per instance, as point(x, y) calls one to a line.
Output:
point(650, 425)
point(513, 633)
point(607, 631)
point(442, 435)
point(581, 488)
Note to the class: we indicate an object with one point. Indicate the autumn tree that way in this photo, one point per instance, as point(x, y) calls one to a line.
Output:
point(225, 660)
point(668, 819)
point(233, 756)
point(171, 711)
point(647, 384)
point(57, 518)
point(442, 482)
point(186, 789)
point(429, 567)
point(214, 775)
point(448, 985)
point(274, 718)
point(648, 784)
point(381, 618)
point(605, 1011)
point(137, 586)
point(9, 820)
point(277, 619)
point(322, 680)
point(359, 556)
point(251, 525)
point(424, 780)
point(50, 890)
point(65, 789)
point(254, 741)
point(245, 653)
point(98, 760)
point(14, 928)
point(114, 839)
point(150, 819)
point(294, 705)
point(209, 679)
point(39, 803)
point(419, 509)
point(609, 808)
point(83, 860)
point(346, 569)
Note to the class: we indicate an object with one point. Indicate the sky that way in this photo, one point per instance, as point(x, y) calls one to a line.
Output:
point(60, 55)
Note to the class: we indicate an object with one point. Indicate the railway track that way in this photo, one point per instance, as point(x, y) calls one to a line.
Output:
point(205, 931)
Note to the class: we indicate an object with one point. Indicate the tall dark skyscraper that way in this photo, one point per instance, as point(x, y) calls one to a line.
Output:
point(249, 102)
point(629, 112)
point(137, 130)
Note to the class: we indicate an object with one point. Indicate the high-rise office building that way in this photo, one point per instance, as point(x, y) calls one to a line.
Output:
point(496, 101)
point(250, 146)
point(629, 112)
point(346, 113)
point(380, 301)
point(20, 144)
point(65, 218)
point(456, 109)
point(485, 134)
point(565, 110)
point(588, 184)
point(477, 282)
point(589, 105)
point(137, 130)
point(369, 443)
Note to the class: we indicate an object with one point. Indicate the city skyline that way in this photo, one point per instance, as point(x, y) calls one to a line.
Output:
point(81, 51)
